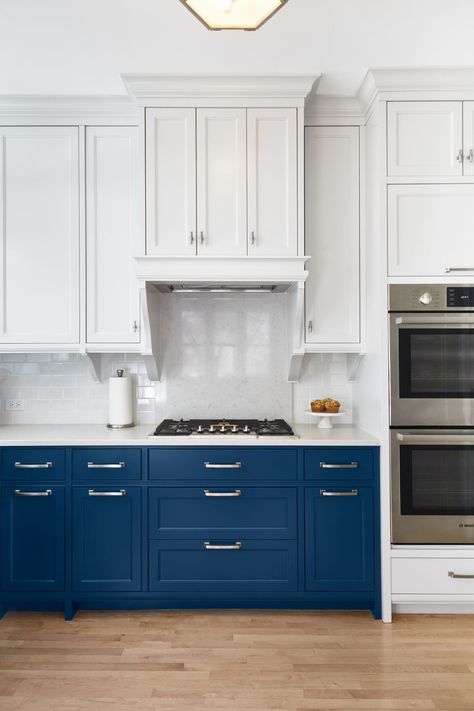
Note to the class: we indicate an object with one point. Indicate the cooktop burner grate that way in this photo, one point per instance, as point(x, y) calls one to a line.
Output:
point(187, 428)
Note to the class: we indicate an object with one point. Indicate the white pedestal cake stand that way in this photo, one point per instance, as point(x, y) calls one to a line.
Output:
point(325, 417)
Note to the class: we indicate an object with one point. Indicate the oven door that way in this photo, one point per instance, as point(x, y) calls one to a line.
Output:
point(432, 486)
point(432, 369)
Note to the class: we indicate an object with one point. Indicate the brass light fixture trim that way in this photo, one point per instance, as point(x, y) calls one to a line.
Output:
point(246, 15)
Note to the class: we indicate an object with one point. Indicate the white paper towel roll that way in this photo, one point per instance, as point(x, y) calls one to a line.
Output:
point(120, 401)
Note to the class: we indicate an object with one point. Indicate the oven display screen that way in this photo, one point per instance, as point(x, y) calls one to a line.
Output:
point(460, 297)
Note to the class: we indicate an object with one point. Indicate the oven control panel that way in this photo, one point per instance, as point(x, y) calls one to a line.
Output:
point(431, 297)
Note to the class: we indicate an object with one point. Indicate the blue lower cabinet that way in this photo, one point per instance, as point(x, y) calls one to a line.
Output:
point(33, 538)
point(106, 539)
point(223, 566)
point(222, 512)
point(339, 538)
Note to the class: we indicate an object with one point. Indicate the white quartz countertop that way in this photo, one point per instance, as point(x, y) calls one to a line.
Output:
point(87, 435)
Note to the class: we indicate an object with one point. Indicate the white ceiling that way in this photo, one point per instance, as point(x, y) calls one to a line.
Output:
point(82, 46)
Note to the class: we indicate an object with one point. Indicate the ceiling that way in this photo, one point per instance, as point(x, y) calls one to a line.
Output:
point(82, 46)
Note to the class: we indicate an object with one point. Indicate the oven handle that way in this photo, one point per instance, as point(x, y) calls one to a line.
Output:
point(436, 438)
point(448, 320)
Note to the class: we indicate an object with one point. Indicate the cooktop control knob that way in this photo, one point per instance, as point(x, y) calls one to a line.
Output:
point(425, 299)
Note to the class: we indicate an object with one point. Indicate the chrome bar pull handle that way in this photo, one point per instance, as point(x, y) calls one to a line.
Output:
point(459, 156)
point(230, 547)
point(253, 240)
point(191, 237)
point(459, 576)
point(310, 327)
point(458, 269)
point(48, 492)
point(210, 465)
point(202, 239)
point(44, 465)
point(324, 492)
point(135, 326)
point(118, 465)
point(349, 465)
point(221, 494)
point(470, 156)
point(122, 492)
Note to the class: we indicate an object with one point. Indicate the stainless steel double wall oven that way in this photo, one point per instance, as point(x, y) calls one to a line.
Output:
point(432, 412)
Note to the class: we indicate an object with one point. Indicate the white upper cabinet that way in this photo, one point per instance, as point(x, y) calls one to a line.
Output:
point(221, 182)
point(272, 182)
point(111, 233)
point(468, 143)
point(430, 230)
point(425, 139)
point(332, 235)
point(170, 135)
point(39, 219)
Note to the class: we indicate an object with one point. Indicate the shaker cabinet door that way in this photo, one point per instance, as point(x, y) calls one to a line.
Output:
point(339, 538)
point(430, 230)
point(424, 139)
point(332, 234)
point(170, 181)
point(272, 182)
point(111, 233)
point(39, 235)
point(221, 182)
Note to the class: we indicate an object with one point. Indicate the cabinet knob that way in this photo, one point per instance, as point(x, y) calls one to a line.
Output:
point(459, 156)
point(191, 238)
point(202, 239)
point(135, 326)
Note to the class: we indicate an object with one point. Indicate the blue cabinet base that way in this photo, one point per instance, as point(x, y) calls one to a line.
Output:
point(337, 601)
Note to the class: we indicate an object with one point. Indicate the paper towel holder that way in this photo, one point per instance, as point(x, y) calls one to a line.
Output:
point(120, 373)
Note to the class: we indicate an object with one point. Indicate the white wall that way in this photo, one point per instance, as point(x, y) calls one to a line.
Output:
point(82, 46)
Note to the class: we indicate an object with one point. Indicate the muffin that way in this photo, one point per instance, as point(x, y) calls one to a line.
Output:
point(317, 405)
point(332, 406)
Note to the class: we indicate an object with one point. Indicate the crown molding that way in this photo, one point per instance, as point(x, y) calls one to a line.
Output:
point(60, 110)
point(422, 79)
point(151, 88)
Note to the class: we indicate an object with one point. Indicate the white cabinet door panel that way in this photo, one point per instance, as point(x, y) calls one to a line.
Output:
point(468, 128)
point(111, 233)
point(221, 181)
point(170, 181)
point(272, 182)
point(430, 229)
point(39, 219)
point(332, 234)
point(424, 138)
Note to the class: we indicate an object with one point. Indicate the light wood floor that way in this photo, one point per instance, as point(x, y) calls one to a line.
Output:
point(235, 661)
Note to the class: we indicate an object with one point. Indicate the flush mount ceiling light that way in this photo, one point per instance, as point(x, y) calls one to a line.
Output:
point(233, 14)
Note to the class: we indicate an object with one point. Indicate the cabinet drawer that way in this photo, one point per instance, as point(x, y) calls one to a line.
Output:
point(340, 463)
point(33, 464)
point(219, 464)
point(229, 512)
point(431, 576)
point(244, 566)
point(106, 464)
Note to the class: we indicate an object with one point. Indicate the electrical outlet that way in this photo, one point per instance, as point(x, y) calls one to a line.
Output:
point(14, 404)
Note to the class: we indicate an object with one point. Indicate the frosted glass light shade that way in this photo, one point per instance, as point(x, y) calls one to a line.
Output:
point(233, 14)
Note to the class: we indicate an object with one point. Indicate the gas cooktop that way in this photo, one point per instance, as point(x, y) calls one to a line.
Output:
point(244, 428)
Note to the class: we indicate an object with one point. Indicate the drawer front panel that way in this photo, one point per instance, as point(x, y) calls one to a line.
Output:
point(219, 464)
point(341, 463)
point(33, 464)
point(224, 512)
point(182, 566)
point(105, 464)
point(433, 576)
